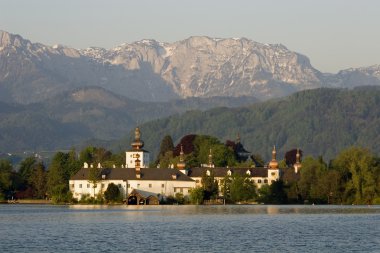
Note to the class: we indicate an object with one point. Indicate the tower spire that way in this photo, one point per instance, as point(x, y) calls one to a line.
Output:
point(181, 165)
point(210, 163)
point(297, 166)
point(273, 164)
point(274, 153)
point(298, 156)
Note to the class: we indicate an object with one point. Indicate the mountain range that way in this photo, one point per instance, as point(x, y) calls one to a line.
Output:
point(54, 97)
point(149, 70)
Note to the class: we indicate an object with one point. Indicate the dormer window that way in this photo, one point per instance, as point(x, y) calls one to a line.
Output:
point(103, 176)
point(174, 176)
point(208, 173)
point(229, 172)
point(248, 172)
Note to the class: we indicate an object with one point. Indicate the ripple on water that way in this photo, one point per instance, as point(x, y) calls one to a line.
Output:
point(43, 228)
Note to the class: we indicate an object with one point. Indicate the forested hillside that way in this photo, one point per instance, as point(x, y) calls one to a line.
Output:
point(320, 122)
point(74, 117)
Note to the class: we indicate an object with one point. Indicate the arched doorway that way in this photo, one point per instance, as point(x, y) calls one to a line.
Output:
point(132, 200)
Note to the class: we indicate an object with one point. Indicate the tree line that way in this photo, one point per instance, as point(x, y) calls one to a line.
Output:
point(35, 180)
point(352, 177)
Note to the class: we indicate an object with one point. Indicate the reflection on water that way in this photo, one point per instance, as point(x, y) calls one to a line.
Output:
point(256, 228)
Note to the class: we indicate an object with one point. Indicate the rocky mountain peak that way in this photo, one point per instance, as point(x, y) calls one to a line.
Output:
point(149, 70)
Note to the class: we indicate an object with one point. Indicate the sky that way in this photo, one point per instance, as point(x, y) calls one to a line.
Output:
point(334, 34)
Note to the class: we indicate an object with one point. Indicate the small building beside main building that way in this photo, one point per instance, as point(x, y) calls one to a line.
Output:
point(140, 184)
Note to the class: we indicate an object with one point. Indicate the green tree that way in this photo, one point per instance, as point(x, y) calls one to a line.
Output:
point(210, 186)
point(273, 194)
point(5, 177)
point(242, 189)
point(277, 193)
point(197, 195)
point(358, 168)
point(311, 184)
point(165, 146)
point(226, 187)
point(38, 181)
point(57, 178)
point(112, 194)
point(26, 167)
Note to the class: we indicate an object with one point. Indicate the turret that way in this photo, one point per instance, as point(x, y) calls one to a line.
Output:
point(297, 166)
point(273, 164)
point(210, 163)
point(273, 170)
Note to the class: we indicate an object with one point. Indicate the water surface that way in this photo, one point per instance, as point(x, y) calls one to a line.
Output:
point(48, 228)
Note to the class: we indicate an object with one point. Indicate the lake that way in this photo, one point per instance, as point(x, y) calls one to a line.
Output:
point(235, 228)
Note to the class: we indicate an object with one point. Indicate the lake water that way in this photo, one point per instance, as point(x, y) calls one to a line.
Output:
point(46, 228)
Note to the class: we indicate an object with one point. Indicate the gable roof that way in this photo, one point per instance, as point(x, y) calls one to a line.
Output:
point(130, 174)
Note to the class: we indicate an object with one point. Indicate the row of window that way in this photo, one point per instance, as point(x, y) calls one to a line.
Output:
point(119, 185)
point(181, 189)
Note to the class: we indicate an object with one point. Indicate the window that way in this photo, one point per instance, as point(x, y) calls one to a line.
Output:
point(265, 181)
point(95, 186)
point(102, 185)
point(138, 185)
point(80, 185)
point(273, 173)
point(72, 186)
point(119, 185)
point(128, 185)
point(88, 185)
point(175, 189)
point(163, 186)
point(272, 181)
point(259, 181)
point(181, 190)
point(150, 185)
point(197, 181)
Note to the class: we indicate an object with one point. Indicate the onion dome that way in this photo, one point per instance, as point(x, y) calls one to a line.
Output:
point(137, 143)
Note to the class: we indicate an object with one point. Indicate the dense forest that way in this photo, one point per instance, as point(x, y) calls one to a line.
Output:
point(71, 118)
point(321, 121)
point(351, 177)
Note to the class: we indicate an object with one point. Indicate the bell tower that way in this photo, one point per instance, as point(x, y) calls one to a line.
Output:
point(137, 152)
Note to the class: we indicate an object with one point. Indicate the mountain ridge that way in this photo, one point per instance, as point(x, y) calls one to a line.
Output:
point(149, 70)
point(320, 122)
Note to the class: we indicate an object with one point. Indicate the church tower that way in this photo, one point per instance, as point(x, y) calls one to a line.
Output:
point(181, 165)
point(273, 169)
point(137, 152)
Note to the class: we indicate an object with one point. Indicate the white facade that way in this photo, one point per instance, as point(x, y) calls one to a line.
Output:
point(131, 157)
point(166, 188)
point(80, 188)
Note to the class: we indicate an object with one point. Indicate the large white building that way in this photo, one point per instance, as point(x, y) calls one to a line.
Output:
point(139, 184)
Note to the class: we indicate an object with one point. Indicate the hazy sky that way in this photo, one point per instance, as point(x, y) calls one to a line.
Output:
point(334, 34)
